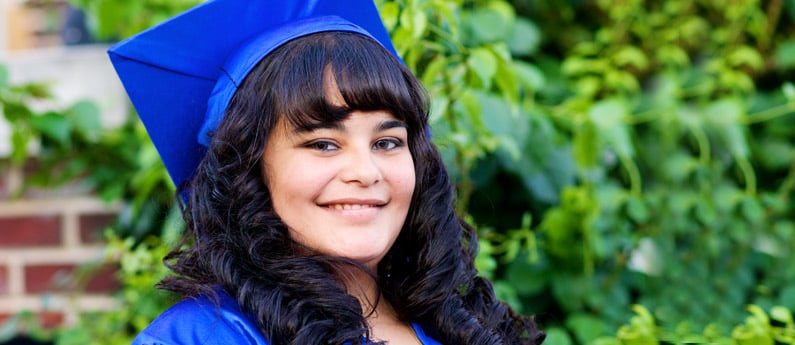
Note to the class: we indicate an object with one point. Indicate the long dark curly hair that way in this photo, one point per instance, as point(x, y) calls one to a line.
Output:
point(235, 240)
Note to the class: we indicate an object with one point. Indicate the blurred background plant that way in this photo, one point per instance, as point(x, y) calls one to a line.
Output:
point(629, 165)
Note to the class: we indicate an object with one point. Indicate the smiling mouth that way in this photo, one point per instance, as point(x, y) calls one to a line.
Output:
point(351, 206)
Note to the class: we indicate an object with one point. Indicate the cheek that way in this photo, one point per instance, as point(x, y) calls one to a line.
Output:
point(406, 180)
point(295, 186)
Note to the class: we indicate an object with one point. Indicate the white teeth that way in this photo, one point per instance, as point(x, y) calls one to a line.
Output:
point(348, 206)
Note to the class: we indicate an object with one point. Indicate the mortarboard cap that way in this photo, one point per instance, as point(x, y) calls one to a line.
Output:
point(180, 75)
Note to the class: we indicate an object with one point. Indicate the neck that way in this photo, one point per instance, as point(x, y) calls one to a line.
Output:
point(381, 317)
point(362, 286)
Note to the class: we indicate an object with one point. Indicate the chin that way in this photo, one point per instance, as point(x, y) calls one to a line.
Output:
point(370, 258)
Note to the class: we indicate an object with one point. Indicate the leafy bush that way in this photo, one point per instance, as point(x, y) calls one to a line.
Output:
point(658, 164)
point(629, 164)
point(616, 153)
point(58, 146)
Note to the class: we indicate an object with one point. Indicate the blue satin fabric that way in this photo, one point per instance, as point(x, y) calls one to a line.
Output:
point(198, 321)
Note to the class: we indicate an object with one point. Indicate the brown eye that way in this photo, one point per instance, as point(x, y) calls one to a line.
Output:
point(322, 145)
point(387, 144)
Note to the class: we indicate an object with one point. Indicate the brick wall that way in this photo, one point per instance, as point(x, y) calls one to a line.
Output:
point(45, 236)
point(47, 239)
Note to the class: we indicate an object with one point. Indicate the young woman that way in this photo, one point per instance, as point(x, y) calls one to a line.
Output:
point(321, 213)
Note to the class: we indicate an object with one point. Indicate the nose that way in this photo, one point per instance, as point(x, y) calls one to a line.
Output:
point(362, 168)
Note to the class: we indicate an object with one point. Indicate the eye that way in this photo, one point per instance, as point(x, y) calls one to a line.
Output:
point(387, 144)
point(322, 145)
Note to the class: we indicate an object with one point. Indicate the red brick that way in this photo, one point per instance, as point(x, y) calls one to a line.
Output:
point(46, 319)
point(64, 277)
point(30, 231)
point(103, 279)
point(92, 226)
point(44, 278)
point(3, 281)
point(50, 319)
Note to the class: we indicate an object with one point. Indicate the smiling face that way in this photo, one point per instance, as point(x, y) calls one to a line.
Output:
point(342, 188)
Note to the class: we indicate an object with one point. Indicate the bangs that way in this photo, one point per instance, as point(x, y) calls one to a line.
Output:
point(368, 77)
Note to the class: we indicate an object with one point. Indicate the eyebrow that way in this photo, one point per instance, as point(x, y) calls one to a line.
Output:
point(391, 124)
point(337, 125)
point(309, 127)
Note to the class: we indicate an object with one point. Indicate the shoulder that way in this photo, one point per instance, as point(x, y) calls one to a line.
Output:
point(200, 321)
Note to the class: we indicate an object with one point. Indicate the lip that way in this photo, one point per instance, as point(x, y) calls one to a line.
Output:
point(354, 211)
point(361, 203)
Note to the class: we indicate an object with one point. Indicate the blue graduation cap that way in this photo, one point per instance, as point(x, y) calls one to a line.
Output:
point(181, 75)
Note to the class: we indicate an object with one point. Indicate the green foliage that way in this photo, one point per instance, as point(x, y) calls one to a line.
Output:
point(140, 268)
point(59, 146)
point(67, 145)
point(758, 328)
point(650, 143)
point(629, 165)
point(119, 19)
point(463, 55)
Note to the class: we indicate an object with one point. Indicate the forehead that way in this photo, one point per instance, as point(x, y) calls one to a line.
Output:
point(331, 89)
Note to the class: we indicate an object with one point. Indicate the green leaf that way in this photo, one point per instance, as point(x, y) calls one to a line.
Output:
point(577, 65)
point(497, 115)
point(586, 145)
point(37, 90)
point(608, 115)
point(525, 37)
point(448, 12)
point(745, 56)
point(785, 55)
point(415, 21)
point(586, 327)
point(631, 56)
point(484, 64)
point(643, 314)
point(485, 263)
point(529, 76)
point(439, 106)
point(787, 293)
point(505, 292)
point(588, 86)
point(507, 82)
point(389, 14)
point(679, 166)
point(606, 340)
point(419, 22)
point(527, 279)
point(471, 105)
point(781, 314)
point(724, 115)
point(53, 125)
point(402, 39)
point(433, 70)
point(672, 56)
point(85, 118)
point(493, 23)
point(19, 146)
point(752, 210)
point(3, 76)
point(789, 91)
point(637, 210)
point(557, 336)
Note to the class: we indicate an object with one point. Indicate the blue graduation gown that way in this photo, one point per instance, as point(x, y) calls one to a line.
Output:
point(198, 321)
